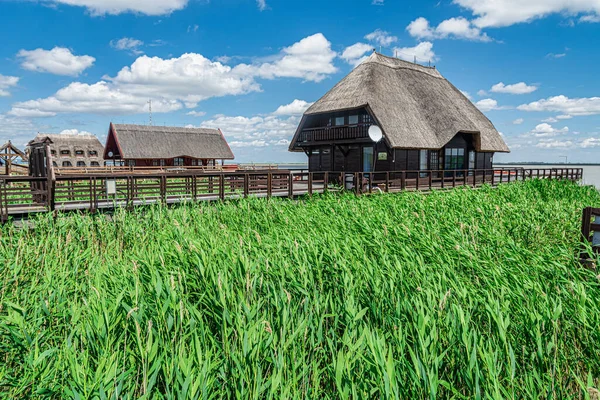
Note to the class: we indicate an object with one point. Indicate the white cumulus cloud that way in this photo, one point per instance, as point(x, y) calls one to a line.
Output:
point(355, 54)
point(518, 121)
point(546, 130)
point(423, 52)
point(453, 28)
point(497, 13)
point(590, 143)
point(7, 82)
point(565, 105)
point(516, 88)
point(382, 38)
point(129, 44)
point(296, 107)
point(58, 61)
point(115, 7)
point(488, 105)
point(182, 82)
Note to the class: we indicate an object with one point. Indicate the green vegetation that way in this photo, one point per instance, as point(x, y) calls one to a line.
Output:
point(459, 294)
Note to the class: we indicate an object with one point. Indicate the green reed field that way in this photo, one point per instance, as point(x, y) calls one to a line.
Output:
point(459, 294)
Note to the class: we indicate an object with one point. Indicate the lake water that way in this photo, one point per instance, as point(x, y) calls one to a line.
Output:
point(591, 173)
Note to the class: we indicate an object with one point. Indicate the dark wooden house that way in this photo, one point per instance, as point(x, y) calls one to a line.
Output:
point(427, 123)
point(145, 145)
point(74, 150)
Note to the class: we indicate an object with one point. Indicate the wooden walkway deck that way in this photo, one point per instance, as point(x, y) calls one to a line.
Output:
point(23, 196)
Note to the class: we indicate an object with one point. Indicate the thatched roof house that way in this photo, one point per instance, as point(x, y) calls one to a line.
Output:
point(74, 150)
point(144, 145)
point(416, 108)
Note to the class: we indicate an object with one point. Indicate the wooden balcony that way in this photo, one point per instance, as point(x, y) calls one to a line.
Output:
point(334, 133)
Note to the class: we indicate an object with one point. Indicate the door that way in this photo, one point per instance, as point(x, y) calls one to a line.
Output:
point(367, 159)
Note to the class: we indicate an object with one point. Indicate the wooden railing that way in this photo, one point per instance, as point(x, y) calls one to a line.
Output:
point(590, 231)
point(26, 195)
point(334, 133)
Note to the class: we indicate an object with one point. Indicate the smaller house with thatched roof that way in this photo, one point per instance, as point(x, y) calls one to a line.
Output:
point(426, 122)
point(74, 150)
point(146, 145)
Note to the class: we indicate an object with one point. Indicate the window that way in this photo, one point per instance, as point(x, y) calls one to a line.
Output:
point(79, 153)
point(54, 164)
point(194, 162)
point(155, 163)
point(53, 152)
point(93, 153)
point(353, 120)
point(178, 161)
point(454, 159)
point(67, 164)
point(131, 163)
point(423, 162)
point(65, 152)
point(471, 160)
point(339, 121)
point(81, 163)
point(434, 161)
point(162, 163)
point(95, 164)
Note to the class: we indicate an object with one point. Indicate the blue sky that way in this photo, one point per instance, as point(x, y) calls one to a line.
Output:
point(252, 67)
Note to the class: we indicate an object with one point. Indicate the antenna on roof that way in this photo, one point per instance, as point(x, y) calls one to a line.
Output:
point(150, 110)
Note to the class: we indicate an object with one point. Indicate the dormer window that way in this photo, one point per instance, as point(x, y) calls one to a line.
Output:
point(93, 153)
point(339, 121)
point(65, 152)
point(79, 153)
point(67, 164)
point(81, 163)
point(53, 152)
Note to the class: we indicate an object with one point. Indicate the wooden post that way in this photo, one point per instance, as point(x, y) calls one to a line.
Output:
point(163, 188)
point(246, 184)
point(387, 182)
point(269, 184)
point(418, 179)
point(310, 183)
point(430, 179)
point(291, 186)
point(403, 180)
point(371, 182)
point(194, 179)
point(356, 183)
point(222, 186)
point(453, 178)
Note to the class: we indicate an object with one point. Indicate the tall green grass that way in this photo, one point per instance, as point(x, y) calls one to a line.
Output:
point(460, 294)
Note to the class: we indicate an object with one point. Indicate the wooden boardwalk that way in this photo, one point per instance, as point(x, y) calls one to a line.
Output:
point(24, 196)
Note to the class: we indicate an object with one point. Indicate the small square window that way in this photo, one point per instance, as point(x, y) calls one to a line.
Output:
point(339, 121)
point(93, 153)
point(65, 152)
point(353, 120)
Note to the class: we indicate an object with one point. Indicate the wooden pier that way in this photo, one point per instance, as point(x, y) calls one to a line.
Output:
point(24, 196)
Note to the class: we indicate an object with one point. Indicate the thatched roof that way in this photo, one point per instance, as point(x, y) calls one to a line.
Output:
point(166, 142)
point(73, 144)
point(415, 106)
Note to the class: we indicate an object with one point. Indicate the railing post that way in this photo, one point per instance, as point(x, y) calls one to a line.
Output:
point(310, 183)
point(356, 183)
point(418, 179)
point(246, 184)
point(291, 186)
point(325, 182)
point(453, 178)
point(403, 180)
point(371, 182)
point(163, 188)
point(493, 176)
point(430, 179)
point(221, 186)
point(194, 179)
point(387, 182)
point(269, 184)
